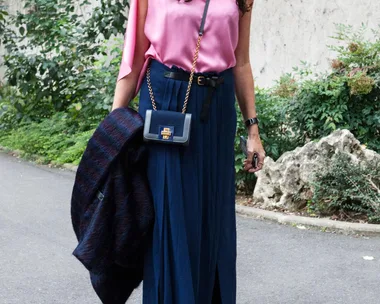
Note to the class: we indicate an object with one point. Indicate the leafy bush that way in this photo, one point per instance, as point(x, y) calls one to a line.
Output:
point(286, 87)
point(61, 74)
point(97, 87)
point(347, 190)
point(58, 59)
point(52, 139)
point(3, 15)
point(9, 116)
point(346, 98)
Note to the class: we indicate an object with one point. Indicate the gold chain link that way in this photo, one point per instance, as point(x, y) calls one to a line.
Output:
point(196, 54)
point(192, 74)
point(150, 89)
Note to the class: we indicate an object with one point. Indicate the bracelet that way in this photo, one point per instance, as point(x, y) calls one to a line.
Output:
point(251, 121)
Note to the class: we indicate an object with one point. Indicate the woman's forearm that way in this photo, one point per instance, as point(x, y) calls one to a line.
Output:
point(126, 86)
point(124, 92)
point(245, 93)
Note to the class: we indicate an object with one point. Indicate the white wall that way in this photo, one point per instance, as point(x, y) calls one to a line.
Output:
point(284, 32)
point(287, 31)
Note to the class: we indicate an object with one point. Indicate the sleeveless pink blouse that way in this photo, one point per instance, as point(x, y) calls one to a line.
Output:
point(172, 26)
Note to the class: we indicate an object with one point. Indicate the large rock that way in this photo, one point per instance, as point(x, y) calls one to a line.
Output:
point(283, 183)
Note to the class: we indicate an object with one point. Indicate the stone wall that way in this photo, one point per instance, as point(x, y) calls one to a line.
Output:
point(284, 32)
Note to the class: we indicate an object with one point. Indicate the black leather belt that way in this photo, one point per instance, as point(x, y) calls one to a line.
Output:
point(202, 80)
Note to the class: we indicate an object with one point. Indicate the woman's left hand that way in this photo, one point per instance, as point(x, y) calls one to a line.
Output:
point(254, 145)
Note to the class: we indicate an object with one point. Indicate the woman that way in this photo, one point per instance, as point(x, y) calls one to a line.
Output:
point(192, 258)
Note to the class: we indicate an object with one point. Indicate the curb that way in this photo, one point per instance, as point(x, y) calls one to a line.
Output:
point(17, 153)
point(323, 223)
point(70, 167)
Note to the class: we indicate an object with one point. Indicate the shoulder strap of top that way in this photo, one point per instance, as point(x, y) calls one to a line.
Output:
point(201, 29)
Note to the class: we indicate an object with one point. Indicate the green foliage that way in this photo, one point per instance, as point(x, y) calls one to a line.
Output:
point(96, 88)
point(9, 108)
point(107, 19)
point(51, 139)
point(356, 51)
point(47, 52)
point(318, 107)
point(346, 98)
point(360, 84)
point(58, 62)
point(286, 87)
point(347, 190)
point(3, 15)
point(61, 75)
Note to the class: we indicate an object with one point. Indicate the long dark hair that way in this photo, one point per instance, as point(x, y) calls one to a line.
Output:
point(242, 4)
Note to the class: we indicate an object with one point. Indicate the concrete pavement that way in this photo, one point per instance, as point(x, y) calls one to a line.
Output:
point(277, 264)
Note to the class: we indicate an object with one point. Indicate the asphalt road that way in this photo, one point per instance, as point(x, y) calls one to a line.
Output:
point(276, 264)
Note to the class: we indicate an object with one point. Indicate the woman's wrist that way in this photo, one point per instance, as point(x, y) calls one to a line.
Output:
point(252, 125)
point(253, 131)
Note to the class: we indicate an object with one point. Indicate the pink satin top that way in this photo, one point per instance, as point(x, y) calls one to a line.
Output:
point(172, 27)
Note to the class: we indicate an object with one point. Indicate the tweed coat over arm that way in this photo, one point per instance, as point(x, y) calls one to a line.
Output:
point(111, 206)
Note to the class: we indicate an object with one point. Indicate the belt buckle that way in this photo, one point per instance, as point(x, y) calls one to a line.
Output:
point(200, 79)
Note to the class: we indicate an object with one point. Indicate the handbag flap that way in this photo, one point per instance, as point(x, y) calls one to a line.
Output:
point(173, 126)
point(167, 118)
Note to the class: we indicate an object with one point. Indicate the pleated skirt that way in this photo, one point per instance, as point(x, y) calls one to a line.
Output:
point(193, 187)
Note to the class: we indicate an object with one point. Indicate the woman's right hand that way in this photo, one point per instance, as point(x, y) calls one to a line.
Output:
point(254, 145)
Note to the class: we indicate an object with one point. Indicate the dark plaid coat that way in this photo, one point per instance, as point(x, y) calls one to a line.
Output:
point(111, 206)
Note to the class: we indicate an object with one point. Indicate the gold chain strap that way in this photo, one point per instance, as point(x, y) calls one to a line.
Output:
point(150, 88)
point(196, 54)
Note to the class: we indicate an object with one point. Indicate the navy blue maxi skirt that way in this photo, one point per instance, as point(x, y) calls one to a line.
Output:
point(194, 236)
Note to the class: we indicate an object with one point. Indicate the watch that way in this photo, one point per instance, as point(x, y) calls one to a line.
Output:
point(251, 121)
